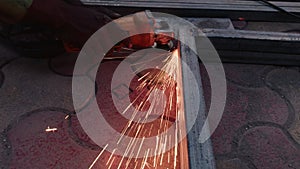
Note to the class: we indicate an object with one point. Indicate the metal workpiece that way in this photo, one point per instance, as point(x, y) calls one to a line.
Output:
point(255, 46)
point(251, 10)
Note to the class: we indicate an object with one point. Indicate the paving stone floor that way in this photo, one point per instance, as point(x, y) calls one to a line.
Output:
point(260, 128)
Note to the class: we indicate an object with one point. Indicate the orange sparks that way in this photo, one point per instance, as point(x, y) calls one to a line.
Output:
point(48, 129)
point(168, 78)
point(67, 116)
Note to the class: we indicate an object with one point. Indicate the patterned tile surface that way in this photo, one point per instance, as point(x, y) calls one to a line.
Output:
point(260, 128)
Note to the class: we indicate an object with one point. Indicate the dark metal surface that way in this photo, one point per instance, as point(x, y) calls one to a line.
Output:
point(234, 9)
point(200, 154)
point(255, 47)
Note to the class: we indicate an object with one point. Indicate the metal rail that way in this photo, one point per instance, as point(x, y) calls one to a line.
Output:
point(255, 47)
point(252, 10)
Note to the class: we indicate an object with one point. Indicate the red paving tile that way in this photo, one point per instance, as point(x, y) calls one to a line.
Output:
point(270, 147)
point(7, 54)
point(82, 139)
point(63, 64)
point(1, 78)
point(287, 83)
point(108, 108)
point(247, 75)
point(33, 147)
point(104, 95)
point(259, 98)
point(4, 151)
point(79, 135)
point(245, 105)
point(30, 85)
point(259, 129)
point(234, 163)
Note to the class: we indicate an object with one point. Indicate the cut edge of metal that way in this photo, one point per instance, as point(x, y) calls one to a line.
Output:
point(221, 5)
point(200, 155)
point(248, 34)
point(251, 11)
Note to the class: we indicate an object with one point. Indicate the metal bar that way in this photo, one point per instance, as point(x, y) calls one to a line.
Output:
point(183, 145)
point(255, 47)
point(234, 9)
point(200, 155)
point(200, 4)
point(248, 57)
point(257, 35)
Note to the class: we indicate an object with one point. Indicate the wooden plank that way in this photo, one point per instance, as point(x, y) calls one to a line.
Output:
point(251, 10)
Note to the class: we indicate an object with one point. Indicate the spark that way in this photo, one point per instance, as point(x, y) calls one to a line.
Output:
point(136, 164)
point(48, 129)
point(145, 159)
point(112, 153)
point(91, 166)
point(150, 129)
point(150, 84)
point(169, 157)
point(120, 163)
point(140, 148)
point(67, 116)
point(112, 161)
